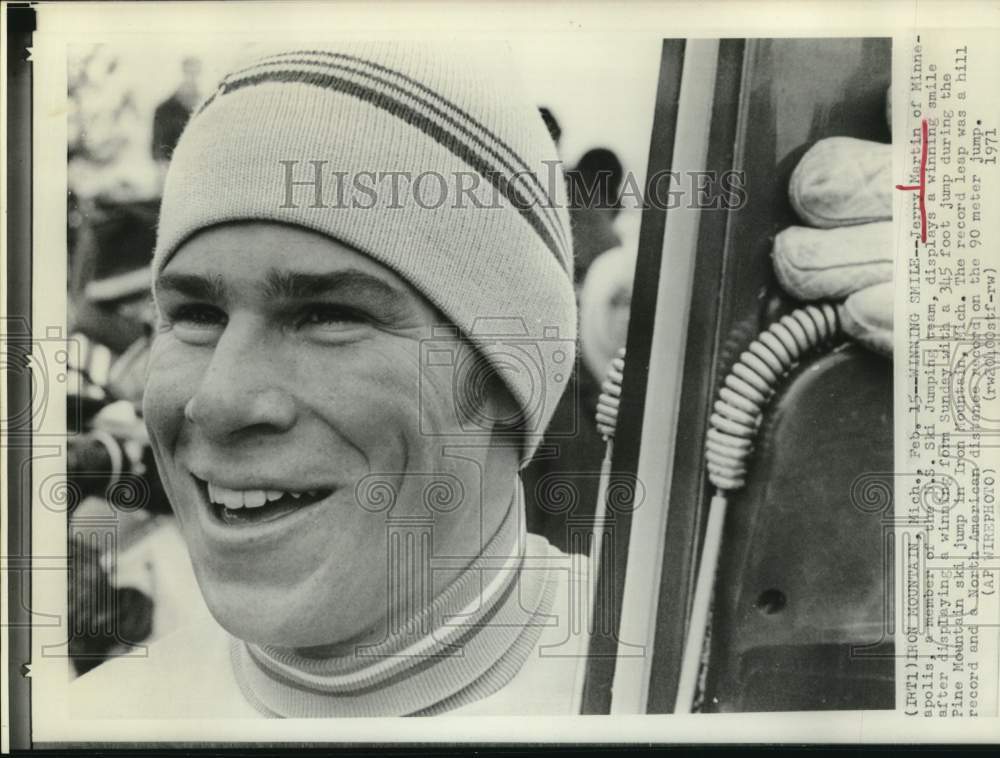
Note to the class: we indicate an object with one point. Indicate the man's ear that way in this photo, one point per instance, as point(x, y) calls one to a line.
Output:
point(503, 408)
point(486, 402)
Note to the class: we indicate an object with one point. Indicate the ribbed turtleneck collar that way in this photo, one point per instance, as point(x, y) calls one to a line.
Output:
point(464, 645)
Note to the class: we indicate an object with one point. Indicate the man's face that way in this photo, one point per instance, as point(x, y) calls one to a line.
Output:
point(285, 368)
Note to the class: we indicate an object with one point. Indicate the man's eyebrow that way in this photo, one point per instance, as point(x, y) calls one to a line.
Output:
point(297, 285)
point(195, 286)
point(282, 284)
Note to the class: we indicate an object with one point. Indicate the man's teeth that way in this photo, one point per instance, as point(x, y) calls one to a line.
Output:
point(234, 499)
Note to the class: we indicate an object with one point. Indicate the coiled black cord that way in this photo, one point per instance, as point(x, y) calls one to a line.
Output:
point(752, 382)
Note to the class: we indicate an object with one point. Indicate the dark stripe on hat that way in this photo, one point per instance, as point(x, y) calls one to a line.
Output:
point(543, 198)
point(531, 183)
point(513, 155)
point(207, 102)
point(415, 118)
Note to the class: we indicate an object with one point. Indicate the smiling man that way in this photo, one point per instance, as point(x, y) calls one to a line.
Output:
point(346, 378)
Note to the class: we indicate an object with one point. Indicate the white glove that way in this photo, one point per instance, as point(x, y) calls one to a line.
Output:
point(843, 186)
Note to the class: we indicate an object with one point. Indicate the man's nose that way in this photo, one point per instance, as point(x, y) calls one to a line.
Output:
point(243, 388)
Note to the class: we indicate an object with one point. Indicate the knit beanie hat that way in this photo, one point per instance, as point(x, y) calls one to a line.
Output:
point(431, 160)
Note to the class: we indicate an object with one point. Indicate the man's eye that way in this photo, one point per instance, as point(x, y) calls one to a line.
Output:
point(197, 315)
point(331, 316)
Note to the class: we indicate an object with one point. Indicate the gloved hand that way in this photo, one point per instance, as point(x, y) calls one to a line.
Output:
point(843, 186)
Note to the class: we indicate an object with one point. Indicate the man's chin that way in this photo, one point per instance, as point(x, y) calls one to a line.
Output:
point(318, 640)
point(286, 621)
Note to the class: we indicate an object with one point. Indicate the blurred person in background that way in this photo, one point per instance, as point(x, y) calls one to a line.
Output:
point(173, 113)
point(571, 463)
point(605, 300)
point(594, 185)
point(104, 620)
point(147, 582)
point(109, 272)
point(108, 130)
point(605, 305)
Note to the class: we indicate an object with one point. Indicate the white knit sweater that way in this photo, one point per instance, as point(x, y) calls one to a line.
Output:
point(196, 673)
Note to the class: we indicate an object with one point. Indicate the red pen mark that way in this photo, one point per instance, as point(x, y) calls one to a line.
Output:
point(922, 187)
